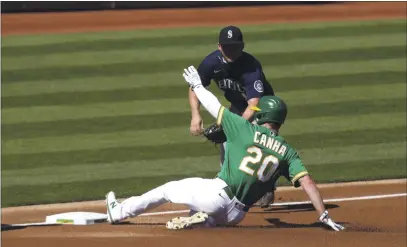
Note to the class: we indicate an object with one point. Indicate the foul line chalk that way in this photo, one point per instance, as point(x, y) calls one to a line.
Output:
point(359, 198)
point(164, 212)
point(275, 204)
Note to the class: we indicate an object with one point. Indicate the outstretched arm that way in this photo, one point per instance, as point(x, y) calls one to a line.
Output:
point(309, 186)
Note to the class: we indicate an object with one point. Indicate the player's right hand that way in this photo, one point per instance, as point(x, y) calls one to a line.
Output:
point(196, 127)
point(329, 222)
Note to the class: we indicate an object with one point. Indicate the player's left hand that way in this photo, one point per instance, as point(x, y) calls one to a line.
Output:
point(192, 77)
point(329, 222)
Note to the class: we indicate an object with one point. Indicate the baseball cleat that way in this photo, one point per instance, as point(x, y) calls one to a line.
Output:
point(179, 223)
point(113, 208)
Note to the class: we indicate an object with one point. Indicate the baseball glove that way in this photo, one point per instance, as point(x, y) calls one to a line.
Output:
point(215, 134)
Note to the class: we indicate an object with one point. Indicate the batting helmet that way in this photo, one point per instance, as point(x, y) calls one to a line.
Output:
point(271, 109)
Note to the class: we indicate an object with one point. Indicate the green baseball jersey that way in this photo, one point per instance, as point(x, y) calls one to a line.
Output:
point(255, 158)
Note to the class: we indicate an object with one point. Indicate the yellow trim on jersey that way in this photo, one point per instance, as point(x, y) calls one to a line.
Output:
point(220, 115)
point(255, 108)
point(298, 176)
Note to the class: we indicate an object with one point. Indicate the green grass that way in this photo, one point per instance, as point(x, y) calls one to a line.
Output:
point(294, 73)
point(149, 121)
point(286, 84)
point(87, 57)
point(86, 113)
point(294, 129)
point(150, 67)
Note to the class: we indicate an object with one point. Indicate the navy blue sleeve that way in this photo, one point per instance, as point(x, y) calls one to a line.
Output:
point(253, 82)
point(205, 72)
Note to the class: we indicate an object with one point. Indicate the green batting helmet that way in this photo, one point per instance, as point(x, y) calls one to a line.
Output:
point(271, 109)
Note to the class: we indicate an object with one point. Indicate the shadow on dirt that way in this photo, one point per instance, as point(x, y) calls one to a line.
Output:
point(293, 208)
point(358, 228)
point(277, 223)
point(7, 227)
point(274, 223)
point(349, 227)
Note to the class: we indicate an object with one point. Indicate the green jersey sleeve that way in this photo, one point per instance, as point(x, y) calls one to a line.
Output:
point(233, 125)
point(296, 168)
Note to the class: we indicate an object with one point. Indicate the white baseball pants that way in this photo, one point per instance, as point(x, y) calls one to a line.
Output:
point(200, 195)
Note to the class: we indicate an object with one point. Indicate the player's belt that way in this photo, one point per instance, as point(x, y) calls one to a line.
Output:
point(230, 194)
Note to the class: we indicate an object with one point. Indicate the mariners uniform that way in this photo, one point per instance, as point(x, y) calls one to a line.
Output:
point(240, 81)
point(240, 76)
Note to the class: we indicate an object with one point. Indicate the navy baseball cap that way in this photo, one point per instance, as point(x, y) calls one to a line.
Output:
point(230, 35)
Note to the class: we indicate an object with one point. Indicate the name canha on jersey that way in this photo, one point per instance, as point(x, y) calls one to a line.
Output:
point(255, 158)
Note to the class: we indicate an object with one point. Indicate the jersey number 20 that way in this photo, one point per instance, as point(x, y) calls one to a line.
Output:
point(256, 160)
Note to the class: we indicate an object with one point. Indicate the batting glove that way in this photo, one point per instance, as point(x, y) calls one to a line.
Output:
point(329, 222)
point(192, 77)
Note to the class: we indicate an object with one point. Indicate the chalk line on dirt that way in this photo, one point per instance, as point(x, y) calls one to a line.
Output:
point(343, 199)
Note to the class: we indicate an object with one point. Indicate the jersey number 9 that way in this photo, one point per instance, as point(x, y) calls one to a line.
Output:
point(258, 160)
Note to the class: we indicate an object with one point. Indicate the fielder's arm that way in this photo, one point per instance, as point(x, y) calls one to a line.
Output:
point(232, 123)
point(194, 103)
point(206, 98)
point(204, 73)
point(249, 112)
point(253, 84)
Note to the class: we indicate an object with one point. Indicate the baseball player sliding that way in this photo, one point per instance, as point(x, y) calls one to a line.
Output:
point(256, 155)
point(240, 76)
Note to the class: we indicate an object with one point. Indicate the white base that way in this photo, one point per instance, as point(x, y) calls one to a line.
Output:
point(76, 218)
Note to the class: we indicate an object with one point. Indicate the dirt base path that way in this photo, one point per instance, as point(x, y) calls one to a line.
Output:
point(378, 222)
point(134, 19)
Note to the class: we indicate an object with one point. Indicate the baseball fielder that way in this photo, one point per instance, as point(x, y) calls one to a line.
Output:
point(240, 76)
point(256, 155)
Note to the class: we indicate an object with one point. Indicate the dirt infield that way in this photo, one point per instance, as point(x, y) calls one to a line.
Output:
point(134, 19)
point(379, 222)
